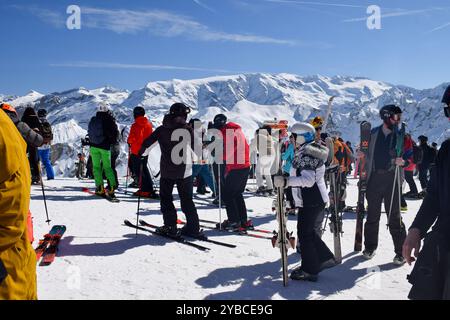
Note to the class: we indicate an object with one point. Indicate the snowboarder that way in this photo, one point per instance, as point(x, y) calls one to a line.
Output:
point(310, 194)
point(237, 167)
point(17, 258)
point(431, 274)
point(45, 149)
point(103, 134)
point(175, 171)
point(380, 164)
point(141, 130)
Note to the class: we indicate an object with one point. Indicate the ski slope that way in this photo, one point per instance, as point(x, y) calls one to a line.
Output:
point(100, 258)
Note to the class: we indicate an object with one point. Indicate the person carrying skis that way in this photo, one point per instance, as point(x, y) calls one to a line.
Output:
point(175, 171)
point(424, 166)
point(431, 274)
point(140, 130)
point(381, 164)
point(236, 157)
point(103, 134)
point(310, 194)
point(45, 149)
point(17, 257)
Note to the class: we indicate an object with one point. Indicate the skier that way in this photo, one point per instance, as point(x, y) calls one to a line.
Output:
point(45, 149)
point(381, 165)
point(424, 166)
point(288, 156)
point(307, 175)
point(409, 169)
point(352, 154)
point(263, 146)
point(237, 167)
point(141, 130)
point(431, 274)
point(102, 135)
point(31, 119)
point(175, 171)
point(17, 258)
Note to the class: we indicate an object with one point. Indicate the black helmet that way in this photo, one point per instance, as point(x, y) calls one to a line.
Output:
point(138, 111)
point(423, 138)
point(446, 96)
point(389, 110)
point(179, 109)
point(42, 113)
point(219, 121)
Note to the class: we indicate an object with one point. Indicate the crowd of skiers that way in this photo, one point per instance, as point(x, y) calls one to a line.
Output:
point(311, 167)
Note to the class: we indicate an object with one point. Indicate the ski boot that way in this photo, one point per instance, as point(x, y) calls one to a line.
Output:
point(299, 274)
point(169, 231)
point(100, 191)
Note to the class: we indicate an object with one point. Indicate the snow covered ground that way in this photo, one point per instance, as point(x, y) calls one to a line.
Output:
point(100, 258)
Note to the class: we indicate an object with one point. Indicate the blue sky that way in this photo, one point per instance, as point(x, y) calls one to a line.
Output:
point(129, 43)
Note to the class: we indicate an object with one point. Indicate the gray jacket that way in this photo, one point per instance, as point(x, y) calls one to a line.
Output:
point(31, 137)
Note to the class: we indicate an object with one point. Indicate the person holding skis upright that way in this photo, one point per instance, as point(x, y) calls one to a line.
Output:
point(381, 165)
point(431, 274)
point(310, 194)
point(141, 130)
point(175, 171)
point(103, 134)
point(236, 156)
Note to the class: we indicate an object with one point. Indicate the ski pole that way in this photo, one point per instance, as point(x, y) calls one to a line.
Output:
point(141, 168)
point(43, 194)
point(220, 197)
point(392, 195)
point(128, 171)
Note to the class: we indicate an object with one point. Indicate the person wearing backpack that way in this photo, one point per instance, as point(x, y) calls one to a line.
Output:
point(45, 149)
point(103, 134)
point(31, 119)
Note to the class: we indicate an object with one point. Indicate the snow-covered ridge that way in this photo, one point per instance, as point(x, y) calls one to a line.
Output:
point(249, 99)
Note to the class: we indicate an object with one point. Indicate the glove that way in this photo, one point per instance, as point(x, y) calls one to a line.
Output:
point(279, 181)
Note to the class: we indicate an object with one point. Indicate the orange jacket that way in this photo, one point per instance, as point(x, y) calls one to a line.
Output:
point(140, 130)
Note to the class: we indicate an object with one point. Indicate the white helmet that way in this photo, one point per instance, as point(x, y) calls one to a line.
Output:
point(305, 132)
point(103, 107)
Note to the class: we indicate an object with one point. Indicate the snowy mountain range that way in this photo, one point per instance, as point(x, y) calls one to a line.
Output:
point(248, 99)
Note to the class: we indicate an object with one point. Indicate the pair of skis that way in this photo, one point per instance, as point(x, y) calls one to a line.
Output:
point(48, 246)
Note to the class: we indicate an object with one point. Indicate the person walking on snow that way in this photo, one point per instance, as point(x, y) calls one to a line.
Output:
point(103, 134)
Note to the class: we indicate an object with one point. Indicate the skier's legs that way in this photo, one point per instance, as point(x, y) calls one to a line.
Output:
point(374, 200)
point(230, 193)
point(241, 182)
point(106, 162)
point(167, 207)
point(33, 158)
point(207, 177)
point(423, 172)
point(259, 176)
point(184, 187)
point(115, 152)
point(409, 177)
point(45, 158)
point(147, 183)
point(97, 166)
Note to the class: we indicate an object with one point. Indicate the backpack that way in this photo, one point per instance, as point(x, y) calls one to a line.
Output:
point(46, 130)
point(95, 131)
point(417, 154)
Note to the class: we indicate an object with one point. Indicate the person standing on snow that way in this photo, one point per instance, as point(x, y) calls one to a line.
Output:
point(310, 194)
point(431, 274)
point(103, 134)
point(175, 134)
point(17, 257)
point(381, 163)
point(31, 119)
point(424, 166)
point(263, 146)
point(236, 158)
point(45, 149)
point(141, 130)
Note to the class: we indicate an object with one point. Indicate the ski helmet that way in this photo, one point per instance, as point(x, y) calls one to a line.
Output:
point(42, 113)
point(103, 107)
point(423, 139)
point(305, 132)
point(317, 123)
point(179, 109)
point(388, 111)
point(138, 112)
point(220, 120)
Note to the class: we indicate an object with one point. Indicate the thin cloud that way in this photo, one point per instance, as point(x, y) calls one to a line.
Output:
point(204, 6)
point(52, 17)
point(396, 14)
point(156, 22)
point(439, 28)
point(343, 5)
point(107, 65)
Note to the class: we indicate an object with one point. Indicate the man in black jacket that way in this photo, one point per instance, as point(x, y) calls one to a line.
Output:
point(424, 166)
point(175, 134)
point(431, 275)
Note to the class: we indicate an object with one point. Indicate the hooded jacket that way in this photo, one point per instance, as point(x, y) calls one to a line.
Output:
point(16, 253)
point(233, 158)
point(184, 145)
point(140, 130)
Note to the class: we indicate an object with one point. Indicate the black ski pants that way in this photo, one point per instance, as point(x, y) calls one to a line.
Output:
point(184, 187)
point(423, 176)
point(379, 189)
point(409, 177)
point(313, 250)
point(234, 187)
